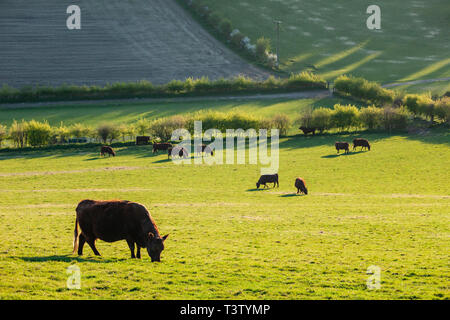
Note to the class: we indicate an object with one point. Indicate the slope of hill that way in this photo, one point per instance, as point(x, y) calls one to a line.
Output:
point(332, 37)
point(118, 41)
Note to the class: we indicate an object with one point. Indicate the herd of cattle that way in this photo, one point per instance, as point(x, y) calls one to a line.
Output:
point(117, 220)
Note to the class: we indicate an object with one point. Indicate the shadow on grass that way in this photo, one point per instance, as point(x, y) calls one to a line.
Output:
point(254, 189)
point(69, 258)
point(330, 156)
point(290, 195)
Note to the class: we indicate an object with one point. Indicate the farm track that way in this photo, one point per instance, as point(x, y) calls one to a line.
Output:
point(119, 41)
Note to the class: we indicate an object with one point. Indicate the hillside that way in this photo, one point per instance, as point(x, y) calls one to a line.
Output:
point(332, 38)
point(118, 41)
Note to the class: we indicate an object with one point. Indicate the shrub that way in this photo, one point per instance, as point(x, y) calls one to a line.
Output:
point(395, 118)
point(236, 38)
point(321, 118)
point(38, 133)
point(107, 131)
point(305, 79)
point(281, 122)
point(17, 133)
point(3, 134)
point(419, 104)
point(164, 127)
point(62, 133)
point(371, 117)
point(225, 27)
point(442, 109)
point(78, 130)
point(142, 126)
point(263, 48)
point(345, 116)
point(364, 90)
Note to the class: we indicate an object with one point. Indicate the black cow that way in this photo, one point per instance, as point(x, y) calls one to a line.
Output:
point(180, 151)
point(117, 220)
point(204, 148)
point(107, 150)
point(161, 146)
point(342, 146)
point(363, 143)
point(308, 130)
point(301, 186)
point(268, 178)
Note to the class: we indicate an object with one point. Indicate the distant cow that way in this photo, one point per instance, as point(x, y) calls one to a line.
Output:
point(204, 148)
point(161, 146)
point(117, 220)
point(301, 186)
point(179, 151)
point(308, 130)
point(107, 150)
point(342, 146)
point(140, 140)
point(268, 178)
point(363, 143)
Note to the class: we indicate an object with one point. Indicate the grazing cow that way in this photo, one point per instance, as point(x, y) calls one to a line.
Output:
point(268, 178)
point(301, 186)
point(142, 140)
point(180, 151)
point(107, 150)
point(342, 146)
point(204, 148)
point(161, 146)
point(308, 130)
point(363, 143)
point(117, 220)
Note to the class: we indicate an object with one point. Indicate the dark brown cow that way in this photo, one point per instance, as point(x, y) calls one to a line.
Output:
point(142, 140)
point(107, 150)
point(204, 148)
point(117, 220)
point(161, 146)
point(308, 130)
point(342, 146)
point(301, 186)
point(180, 151)
point(268, 178)
point(363, 143)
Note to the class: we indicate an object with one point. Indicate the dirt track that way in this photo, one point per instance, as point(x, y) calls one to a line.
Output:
point(133, 40)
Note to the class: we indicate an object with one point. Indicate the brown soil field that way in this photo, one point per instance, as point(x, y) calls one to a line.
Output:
point(119, 41)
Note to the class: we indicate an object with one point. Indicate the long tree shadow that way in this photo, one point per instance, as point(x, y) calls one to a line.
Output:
point(69, 258)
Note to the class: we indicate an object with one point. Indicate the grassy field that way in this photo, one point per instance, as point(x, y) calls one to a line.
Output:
point(332, 38)
point(387, 207)
point(129, 112)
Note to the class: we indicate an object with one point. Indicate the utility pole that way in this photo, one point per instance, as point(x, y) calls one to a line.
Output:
point(278, 22)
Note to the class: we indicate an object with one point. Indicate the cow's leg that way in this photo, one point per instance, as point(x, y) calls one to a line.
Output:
point(138, 251)
point(91, 243)
point(131, 245)
point(81, 241)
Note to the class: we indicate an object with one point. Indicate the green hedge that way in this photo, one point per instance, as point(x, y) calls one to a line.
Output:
point(145, 89)
point(360, 88)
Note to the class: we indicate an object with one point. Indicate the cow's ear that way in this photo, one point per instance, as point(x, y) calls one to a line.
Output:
point(150, 236)
point(165, 237)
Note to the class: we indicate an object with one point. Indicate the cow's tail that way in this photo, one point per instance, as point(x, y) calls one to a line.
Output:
point(76, 237)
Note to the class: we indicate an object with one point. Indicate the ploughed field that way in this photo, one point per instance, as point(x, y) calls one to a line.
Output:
point(387, 207)
point(119, 41)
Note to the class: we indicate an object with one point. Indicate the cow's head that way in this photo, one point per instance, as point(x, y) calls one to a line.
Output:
point(257, 185)
point(155, 245)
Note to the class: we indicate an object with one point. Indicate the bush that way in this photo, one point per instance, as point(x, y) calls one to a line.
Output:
point(164, 127)
point(345, 116)
point(305, 79)
point(142, 126)
point(371, 117)
point(364, 90)
point(281, 122)
point(321, 118)
point(107, 131)
point(3, 134)
point(419, 104)
point(263, 48)
point(236, 39)
point(17, 133)
point(225, 27)
point(79, 130)
point(38, 133)
point(442, 109)
point(395, 118)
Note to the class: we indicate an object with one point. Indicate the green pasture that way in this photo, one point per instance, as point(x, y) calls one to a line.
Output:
point(387, 207)
point(332, 38)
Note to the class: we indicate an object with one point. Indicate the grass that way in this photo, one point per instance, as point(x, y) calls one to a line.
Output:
point(387, 207)
point(332, 38)
point(129, 112)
